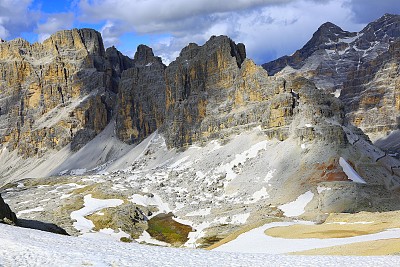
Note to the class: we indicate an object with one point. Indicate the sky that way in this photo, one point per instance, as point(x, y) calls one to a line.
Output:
point(268, 28)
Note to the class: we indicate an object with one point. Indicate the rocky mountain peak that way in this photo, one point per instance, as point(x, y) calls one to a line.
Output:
point(141, 97)
point(359, 68)
point(326, 34)
point(144, 55)
point(118, 61)
point(329, 27)
point(385, 28)
point(77, 39)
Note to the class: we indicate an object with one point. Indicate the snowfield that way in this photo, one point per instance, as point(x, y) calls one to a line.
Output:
point(256, 241)
point(26, 247)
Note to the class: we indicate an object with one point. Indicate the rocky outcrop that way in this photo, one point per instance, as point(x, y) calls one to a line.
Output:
point(197, 82)
point(6, 215)
point(212, 91)
point(141, 97)
point(56, 92)
point(359, 68)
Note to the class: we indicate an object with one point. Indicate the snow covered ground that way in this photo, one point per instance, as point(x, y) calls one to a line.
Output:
point(256, 241)
point(26, 247)
point(297, 207)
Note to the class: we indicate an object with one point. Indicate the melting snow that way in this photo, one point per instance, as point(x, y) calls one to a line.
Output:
point(321, 189)
point(296, 208)
point(201, 212)
point(269, 175)
point(350, 172)
point(91, 205)
point(337, 93)
point(240, 159)
point(29, 211)
point(240, 218)
point(258, 195)
point(146, 237)
point(152, 200)
point(107, 234)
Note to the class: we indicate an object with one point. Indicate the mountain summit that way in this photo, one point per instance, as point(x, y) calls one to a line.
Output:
point(359, 68)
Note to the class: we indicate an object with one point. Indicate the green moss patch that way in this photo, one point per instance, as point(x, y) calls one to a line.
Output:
point(163, 228)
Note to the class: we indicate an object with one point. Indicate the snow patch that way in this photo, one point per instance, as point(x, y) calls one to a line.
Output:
point(296, 208)
point(146, 238)
point(269, 175)
point(258, 195)
point(106, 234)
point(337, 93)
point(150, 200)
point(321, 189)
point(256, 241)
point(201, 212)
point(240, 218)
point(27, 247)
point(350, 172)
point(241, 159)
point(19, 213)
point(91, 205)
point(78, 172)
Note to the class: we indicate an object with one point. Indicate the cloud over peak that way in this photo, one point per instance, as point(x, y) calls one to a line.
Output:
point(268, 28)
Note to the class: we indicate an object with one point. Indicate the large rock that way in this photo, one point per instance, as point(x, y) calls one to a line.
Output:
point(6, 215)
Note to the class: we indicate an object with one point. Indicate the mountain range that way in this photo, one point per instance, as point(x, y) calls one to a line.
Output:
point(93, 140)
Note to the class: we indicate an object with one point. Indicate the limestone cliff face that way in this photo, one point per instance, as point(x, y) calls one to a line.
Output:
point(55, 93)
point(359, 68)
point(213, 91)
point(199, 85)
point(372, 93)
point(141, 97)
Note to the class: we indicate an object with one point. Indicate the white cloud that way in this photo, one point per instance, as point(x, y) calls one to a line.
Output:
point(15, 17)
point(154, 15)
point(53, 23)
point(110, 33)
point(277, 31)
point(269, 32)
point(268, 28)
point(3, 32)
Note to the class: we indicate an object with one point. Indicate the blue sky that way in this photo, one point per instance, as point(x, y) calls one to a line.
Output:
point(268, 28)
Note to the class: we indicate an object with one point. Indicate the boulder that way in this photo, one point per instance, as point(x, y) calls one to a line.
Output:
point(6, 215)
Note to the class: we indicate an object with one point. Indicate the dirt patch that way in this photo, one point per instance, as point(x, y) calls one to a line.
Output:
point(341, 225)
point(370, 248)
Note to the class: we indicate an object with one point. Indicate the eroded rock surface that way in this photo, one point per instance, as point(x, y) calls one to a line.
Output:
point(359, 68)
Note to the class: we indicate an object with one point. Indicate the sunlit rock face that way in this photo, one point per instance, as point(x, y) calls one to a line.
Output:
point(54, 93)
